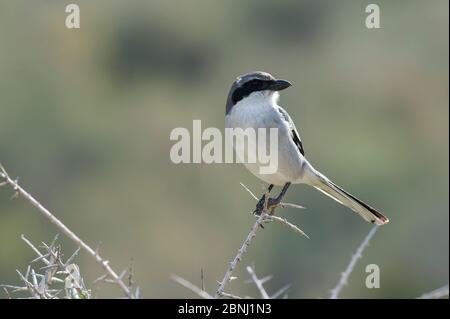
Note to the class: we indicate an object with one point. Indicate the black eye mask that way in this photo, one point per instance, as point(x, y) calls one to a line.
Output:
point(248, 88)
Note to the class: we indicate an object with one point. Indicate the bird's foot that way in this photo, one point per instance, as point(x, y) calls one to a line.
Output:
point(272, 203)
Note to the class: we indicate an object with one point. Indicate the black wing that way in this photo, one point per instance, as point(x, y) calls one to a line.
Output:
point(294, 132)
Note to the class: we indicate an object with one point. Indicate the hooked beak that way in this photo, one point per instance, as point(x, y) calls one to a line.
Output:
point(279, 85)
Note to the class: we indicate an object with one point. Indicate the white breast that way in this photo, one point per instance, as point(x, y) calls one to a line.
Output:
point(259, 110)
point(249, 111)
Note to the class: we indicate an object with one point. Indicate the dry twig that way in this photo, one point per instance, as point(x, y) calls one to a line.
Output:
point(7, 180)
point(253, 279)
point(42, 285)
point(264, 217)
point(232, 265)
point(358, 254)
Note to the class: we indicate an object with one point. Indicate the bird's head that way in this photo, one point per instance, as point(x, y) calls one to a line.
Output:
point(254, 83)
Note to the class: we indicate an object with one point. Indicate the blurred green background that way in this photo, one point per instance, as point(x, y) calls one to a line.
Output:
point(85, 117)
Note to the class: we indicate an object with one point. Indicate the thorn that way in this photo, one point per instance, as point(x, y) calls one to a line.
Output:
point(202, 279)
point(266, 279)
point(14, 196)
point(69, 260)
point(3, 170)
point(280, 292)
point(27, 273)
point(131, 274)
point(4, 289)
point(137, 293)
point(39, 258)
point(101, 278)
point(123, 273)
point(54, 241)
point(97, 250)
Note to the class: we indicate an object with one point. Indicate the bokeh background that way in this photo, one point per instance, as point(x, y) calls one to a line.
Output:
point(85, 118)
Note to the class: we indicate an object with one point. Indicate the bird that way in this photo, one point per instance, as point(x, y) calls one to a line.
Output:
point(253, 103)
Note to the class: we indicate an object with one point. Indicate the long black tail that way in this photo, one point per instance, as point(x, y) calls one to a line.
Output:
point(330, 189)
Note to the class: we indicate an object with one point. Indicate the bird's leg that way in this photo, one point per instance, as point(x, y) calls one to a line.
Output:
point(274, 202)
point(260, 206)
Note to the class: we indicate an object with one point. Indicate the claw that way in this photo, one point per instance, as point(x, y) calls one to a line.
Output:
point(272, 203)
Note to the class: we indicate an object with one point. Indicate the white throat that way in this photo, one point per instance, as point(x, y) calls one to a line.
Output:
point(250, 109)
point(258, 100)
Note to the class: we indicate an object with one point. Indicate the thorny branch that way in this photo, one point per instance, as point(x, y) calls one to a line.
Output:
point(232, 265)
point(5, 179)
point(39, 285)
point(54, 271)
point(263, 218)
point(358, 254)
point(253, 278)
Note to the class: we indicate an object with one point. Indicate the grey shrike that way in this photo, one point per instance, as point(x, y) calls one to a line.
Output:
point(252, 103)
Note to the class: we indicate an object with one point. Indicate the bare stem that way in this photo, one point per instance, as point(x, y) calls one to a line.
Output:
point(358, 254)
point(264, 217)
point(232, 265)
point(44, 211)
